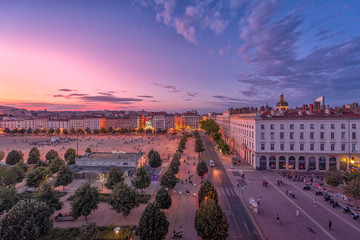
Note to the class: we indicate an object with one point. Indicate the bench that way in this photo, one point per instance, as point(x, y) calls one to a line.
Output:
point(64, 218)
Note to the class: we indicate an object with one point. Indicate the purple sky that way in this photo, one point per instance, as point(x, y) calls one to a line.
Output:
point(177, 55)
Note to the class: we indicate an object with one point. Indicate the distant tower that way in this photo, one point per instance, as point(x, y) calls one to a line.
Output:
point(282, 104)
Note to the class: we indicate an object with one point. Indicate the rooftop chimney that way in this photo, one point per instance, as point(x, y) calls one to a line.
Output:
point(311, 107)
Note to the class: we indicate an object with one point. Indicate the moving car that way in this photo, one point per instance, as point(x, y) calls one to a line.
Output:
point(212, 164)
point(306, 187)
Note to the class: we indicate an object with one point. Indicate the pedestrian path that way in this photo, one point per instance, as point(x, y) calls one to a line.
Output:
point(228, 191)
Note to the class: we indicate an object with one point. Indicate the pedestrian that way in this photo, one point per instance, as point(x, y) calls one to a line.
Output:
point(286, 192)
point(297, 212)
point(258, 200)
point(330, 223)
point(278, 219)
point(315, 202)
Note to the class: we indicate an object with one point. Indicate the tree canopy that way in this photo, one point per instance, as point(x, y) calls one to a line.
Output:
point(153, 224)
point(26, 221)
point(142, 180)
point(211, 222)
point(70, 156)
point(201, 168)
point(56, 164)
point(88, 150)
point(2, 155)
point(334, 177)
point(168, 180)
point(51, 155)
point(37, 176)
point(34, 156)
point(155, 160)
point(14, 157)
point(49, 196)
point(115, 176)
point(64, 176)
point(207, 191)
point(85, 200)
point(353, 188)
point(163, 198)
point(123, 198)
point(8, 198)
point(209, 126)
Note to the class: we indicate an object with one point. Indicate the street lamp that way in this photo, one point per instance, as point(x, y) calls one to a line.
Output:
point(117, 230)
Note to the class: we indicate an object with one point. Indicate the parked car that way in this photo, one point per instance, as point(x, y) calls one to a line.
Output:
point(212, 164)
point(306, 187)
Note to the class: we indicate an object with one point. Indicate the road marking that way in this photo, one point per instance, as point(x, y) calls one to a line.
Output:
point(247, 228)
point(227, 191)
point(327, 209)
point(303, 211)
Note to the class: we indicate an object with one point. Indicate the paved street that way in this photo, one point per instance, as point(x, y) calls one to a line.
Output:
point(240, 224)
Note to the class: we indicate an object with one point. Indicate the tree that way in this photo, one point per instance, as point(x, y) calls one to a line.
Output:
point(88, 231)
point(7, 130)
point(43, 130)
point(211, 222)
point(123, 199)
point(202, 168)
point(51, 131)
point(56, 164)
point(153, 224)
point(168, 180)
point(115, 176)
point(14, 157)
point(155, 160)
point(199, 146)
point(8, 198)
point(34, 156)
point(86, 199)
point(209, 126)
point(80, 131)
point(348, 176)
point(88, 150)
point(26, 221)
point(334, 177)
point(37, 176)
point(163, 198)
point(148, 131)
point(51, 155)
point(70, 156)
point(353, 188)
point(65, 131)
point(87, 130)
point(64, 177)
point(9, 177)
point(58, 131)
point(142, 180)
point(36, 131)
point(2, 155)
point(96, 131)
point(174, 165)
point(150, 153)
point(22, 131)
point(48, 196)
point(15, 130)
point(29, 131)
point(103, 130)
point(72, 131)
point(207, 191)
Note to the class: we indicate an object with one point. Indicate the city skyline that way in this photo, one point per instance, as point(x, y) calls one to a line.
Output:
point(177, 56)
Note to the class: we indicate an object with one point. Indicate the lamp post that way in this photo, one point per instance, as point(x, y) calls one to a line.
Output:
point(117, 230)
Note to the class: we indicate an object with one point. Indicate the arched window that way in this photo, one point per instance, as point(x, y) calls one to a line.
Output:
point(291, 162)
point(332, 162)
point(282, 162)
point(322, 163)
point(272, 162)
point(312, 163)
point(262, 162)
point(302, 163)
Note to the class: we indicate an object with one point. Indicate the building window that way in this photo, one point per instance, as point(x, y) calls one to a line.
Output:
point(291, 135)
point(353, 135)
point(322, 126)
point(281, 126)
point(291, 126)
point(281, 135)
point(353, 147)
point(263, 136)
point(333, 126)
point(342, 135)
point(281, 146)
point(272, 146)
point(272, 126)
point(311, 126)
point(301, 135)
point(332, 147)
point(301, 126)
point(312, 135)
point(311, 147)
point(343, 126)
point(332, 135)
point(262, 126)
point(322, 147)
point(343, 147)
point(262, 146)
point(272, 135)
point(301, 147)
point(354, 126)
point(291, 147)
point(322, 135)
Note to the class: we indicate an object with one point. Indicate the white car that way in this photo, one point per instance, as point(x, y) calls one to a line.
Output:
point(212, 164)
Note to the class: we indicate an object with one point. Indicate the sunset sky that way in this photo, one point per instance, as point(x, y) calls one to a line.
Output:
point(177, 55)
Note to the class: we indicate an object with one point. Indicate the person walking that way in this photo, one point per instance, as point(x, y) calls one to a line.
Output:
point(297, 212)
point(287, 192)
point(330, 223)
point(278, 219)
point(315, 202)
point(258, 200)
